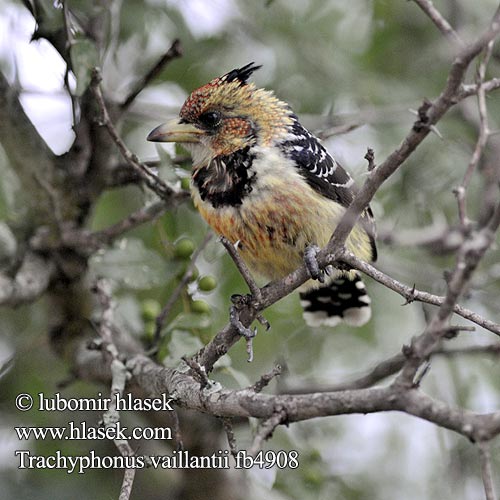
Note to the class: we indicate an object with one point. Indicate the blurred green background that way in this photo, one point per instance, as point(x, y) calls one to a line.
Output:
point(337, 62)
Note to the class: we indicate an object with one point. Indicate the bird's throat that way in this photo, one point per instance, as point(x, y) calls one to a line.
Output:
point(226, 179)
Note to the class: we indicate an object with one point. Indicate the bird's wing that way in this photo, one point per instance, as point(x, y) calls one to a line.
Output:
point(323, 173)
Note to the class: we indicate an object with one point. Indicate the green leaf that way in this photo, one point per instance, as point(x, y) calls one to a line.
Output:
point(131, 265)
point(84, 58)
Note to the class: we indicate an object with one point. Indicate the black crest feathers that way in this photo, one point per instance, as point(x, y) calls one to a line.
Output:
point(241, 74)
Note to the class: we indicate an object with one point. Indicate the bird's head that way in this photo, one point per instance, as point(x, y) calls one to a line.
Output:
point(227, 115)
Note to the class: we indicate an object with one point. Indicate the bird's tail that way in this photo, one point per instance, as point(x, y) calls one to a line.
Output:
point(341, 299)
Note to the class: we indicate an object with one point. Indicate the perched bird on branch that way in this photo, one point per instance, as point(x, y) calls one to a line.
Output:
point(262, 180)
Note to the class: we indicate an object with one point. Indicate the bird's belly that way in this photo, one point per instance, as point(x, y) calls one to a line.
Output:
point(274, 226)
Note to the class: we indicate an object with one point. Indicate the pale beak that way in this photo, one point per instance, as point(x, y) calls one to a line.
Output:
point(173, 131)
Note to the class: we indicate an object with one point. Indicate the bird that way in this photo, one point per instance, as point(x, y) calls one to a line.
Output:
point(268, 185)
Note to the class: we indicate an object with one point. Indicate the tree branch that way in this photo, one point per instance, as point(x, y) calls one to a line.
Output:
point(411, 294)
point(111, 417)
point(441, 23)
point(486, 472)
point(27, 152)
point(246, 403)
point(172, 53)
point(163, 190)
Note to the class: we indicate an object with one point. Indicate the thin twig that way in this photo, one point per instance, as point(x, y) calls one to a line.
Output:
point(69, 43)
point(469, 255)
point(242, 268)
point(442, 24)
point(127, 484)
point(199, 371)
point(231, 439)
point(472, 89)
point(430, 114)
point(160, 319)
point(411, 294)
point(388, 367)
point(92, 241)
point(172, 53)
point(266, 429)
point(382, 370)
point(141, 216)
point(177, 431)
point(370, 158)
point(486, 471)
point(484, 133)
point(265, 379)
point(160, 187)
point(119, 373)
point(489, 349)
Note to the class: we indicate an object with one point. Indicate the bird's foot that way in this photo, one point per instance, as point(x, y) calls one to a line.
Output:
point(247, 333)
point(311, 262)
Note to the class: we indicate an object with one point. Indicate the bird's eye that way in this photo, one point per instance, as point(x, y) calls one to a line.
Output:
point(210, 119)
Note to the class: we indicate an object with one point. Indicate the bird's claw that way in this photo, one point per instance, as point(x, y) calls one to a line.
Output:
point(311, 262)
point(242, 330)
point(240, 301)
point(247, 333)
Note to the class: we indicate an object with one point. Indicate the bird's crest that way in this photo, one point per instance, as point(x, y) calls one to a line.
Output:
point(241, 74)
point(238, 101)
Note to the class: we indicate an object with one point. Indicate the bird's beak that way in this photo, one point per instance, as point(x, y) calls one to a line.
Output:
point(173, 131)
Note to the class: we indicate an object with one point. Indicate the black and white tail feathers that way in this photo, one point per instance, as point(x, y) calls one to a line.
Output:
point(342, 299)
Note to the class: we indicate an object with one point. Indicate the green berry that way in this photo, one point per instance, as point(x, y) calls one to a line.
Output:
point(182, 271)
point(185, 183)
point(207, 283)
point(184, 248)
point(150, 309)
point(200, 306)
point(149, 330)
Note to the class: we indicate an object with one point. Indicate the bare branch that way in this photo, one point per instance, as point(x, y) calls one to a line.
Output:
point(430, 114)
point(198, 371)
point(388, 367)
point(482, 139)
point(172, 53)
point(469, 255)
point(411, 294)
point(244, 403)
point(378, 373)
point(266, 429)
point(486, 471)
point(265, 379)
point(438, 237)
point(163, 190)
point(231, 439)
point(177, 430)
point(111, 417)
point(34, 157)
point(472, 89)
point(232, 250)
point(88, 242)
point(442, 24)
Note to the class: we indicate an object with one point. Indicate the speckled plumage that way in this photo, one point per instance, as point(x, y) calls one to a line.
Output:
point(262, 180)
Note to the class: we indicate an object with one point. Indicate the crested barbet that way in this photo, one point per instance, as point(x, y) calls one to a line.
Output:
point(263, 181)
